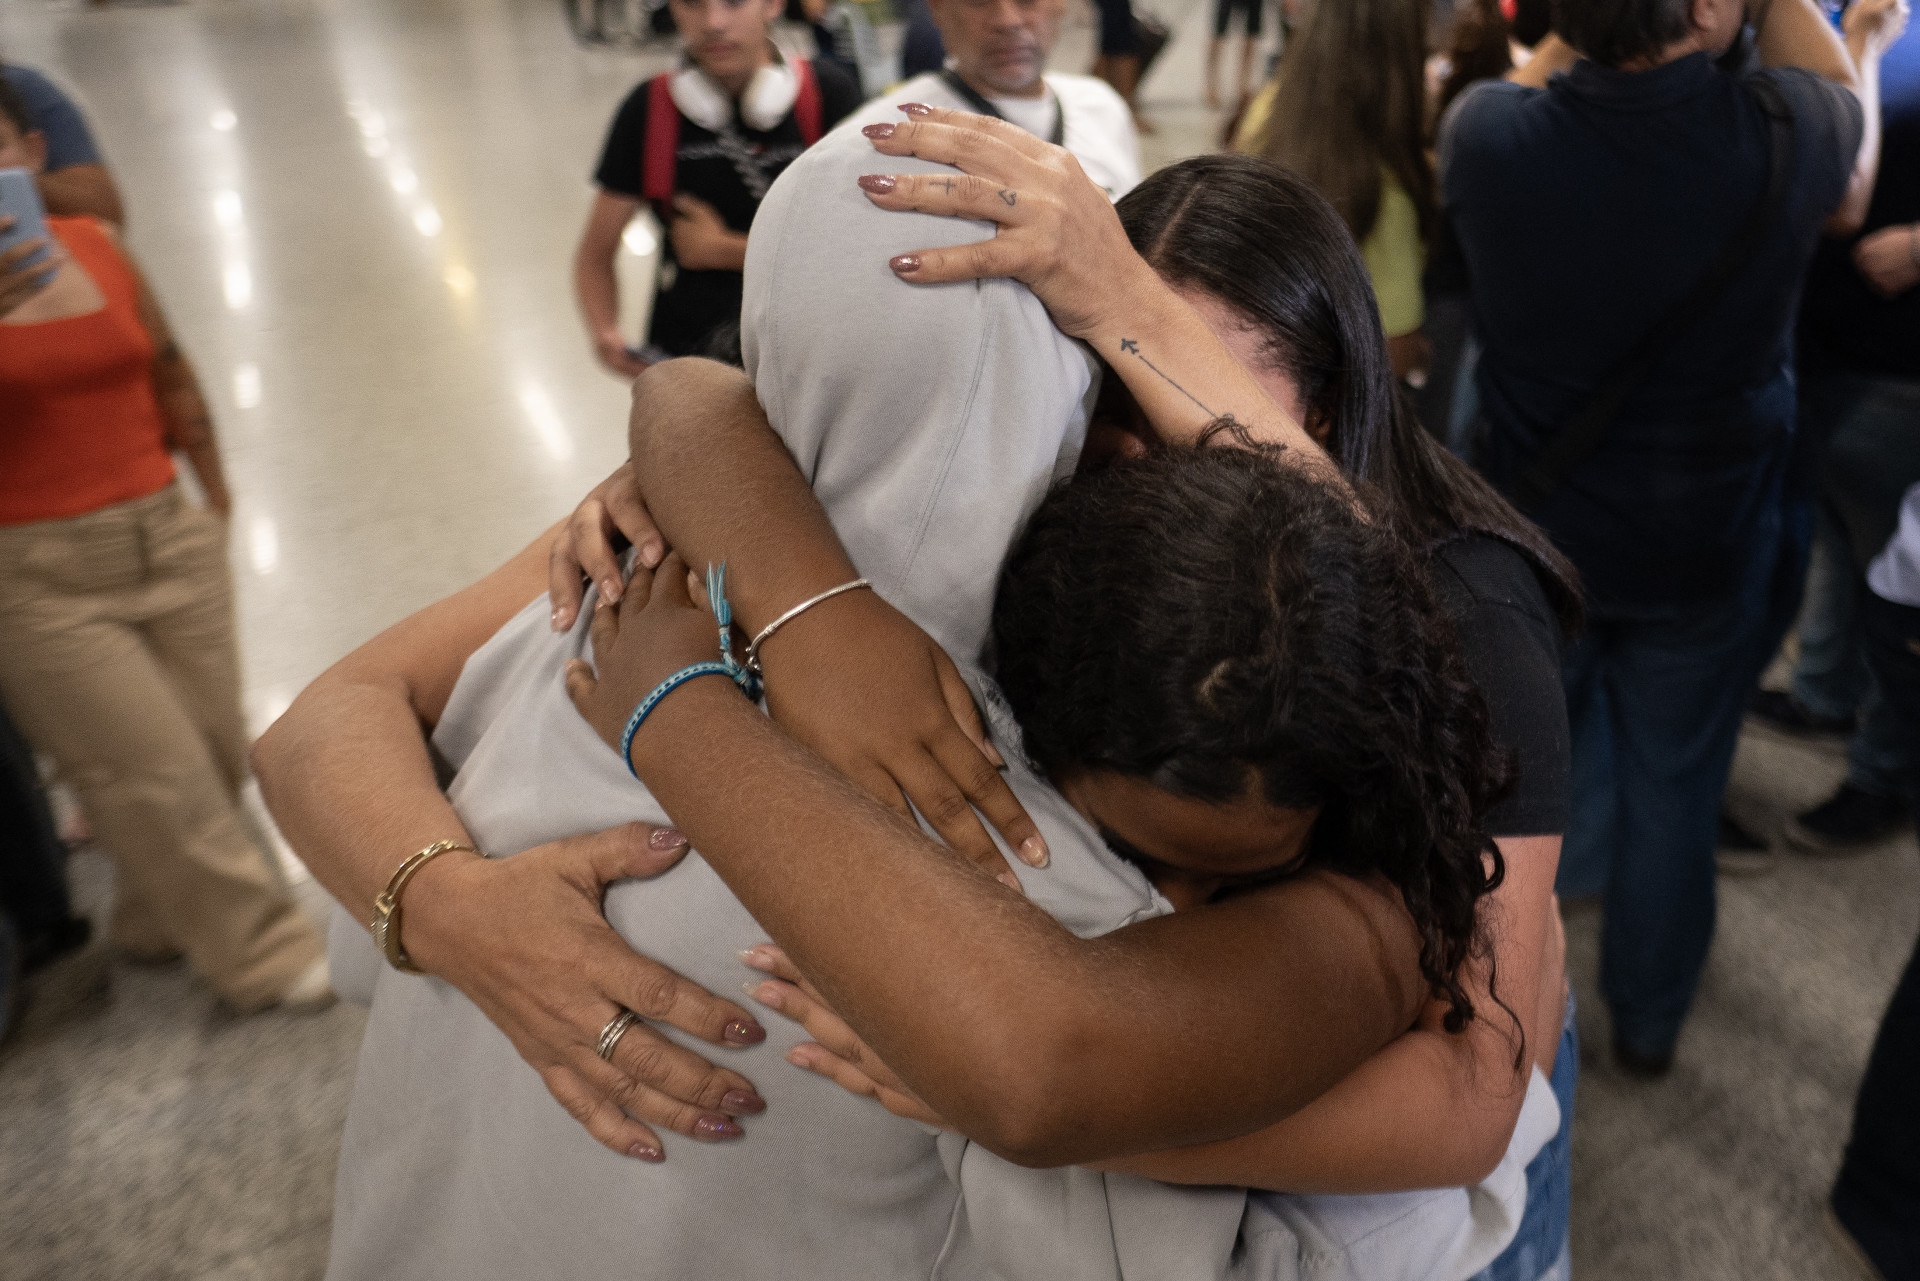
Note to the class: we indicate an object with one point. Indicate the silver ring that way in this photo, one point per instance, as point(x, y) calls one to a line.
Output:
point(615, 1029)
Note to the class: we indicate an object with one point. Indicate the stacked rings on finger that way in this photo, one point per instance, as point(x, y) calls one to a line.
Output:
point(615, 1029)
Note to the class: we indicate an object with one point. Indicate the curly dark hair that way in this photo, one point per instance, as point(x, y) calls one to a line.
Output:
point(1215, 621)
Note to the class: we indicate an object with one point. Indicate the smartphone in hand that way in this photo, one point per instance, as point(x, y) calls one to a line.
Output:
point(20, 198)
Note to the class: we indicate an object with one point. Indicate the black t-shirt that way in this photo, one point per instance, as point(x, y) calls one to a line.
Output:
point(1585, 211)
point(1511, 642)
point(731, 171)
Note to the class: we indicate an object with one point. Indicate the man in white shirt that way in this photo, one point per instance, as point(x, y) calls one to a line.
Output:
point(996, 59)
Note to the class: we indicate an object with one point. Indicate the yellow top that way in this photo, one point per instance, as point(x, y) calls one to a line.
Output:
point(1395, 260)
point(1395, 257)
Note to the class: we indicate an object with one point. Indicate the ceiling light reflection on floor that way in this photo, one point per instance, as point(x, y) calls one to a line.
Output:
point(224, 121)
point(426, 220)
point(236, 281)
point(265, 544)
point(460, 281)
point(227, 210)
point(246, 386)
point(546, 420)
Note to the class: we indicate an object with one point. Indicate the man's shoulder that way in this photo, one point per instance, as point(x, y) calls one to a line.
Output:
point(36, 89)
point(1811, 97)
point(1487, 117)
point(1089, 93)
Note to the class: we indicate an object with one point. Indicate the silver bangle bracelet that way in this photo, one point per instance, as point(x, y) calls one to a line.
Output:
point(753, 647)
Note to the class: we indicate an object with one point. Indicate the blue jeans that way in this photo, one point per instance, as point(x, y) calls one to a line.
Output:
point(1540, 1250)
point(1872, 427)
point(1655, 696)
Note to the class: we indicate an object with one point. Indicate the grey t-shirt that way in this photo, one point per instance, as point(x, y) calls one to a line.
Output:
point(930, 420)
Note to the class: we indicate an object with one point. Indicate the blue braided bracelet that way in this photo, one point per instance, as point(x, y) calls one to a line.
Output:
point(660, 691)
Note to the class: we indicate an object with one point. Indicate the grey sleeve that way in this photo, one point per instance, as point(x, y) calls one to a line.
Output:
point(930, 419)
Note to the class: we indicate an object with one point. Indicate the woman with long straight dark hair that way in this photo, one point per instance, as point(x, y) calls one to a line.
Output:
point(1347, 111)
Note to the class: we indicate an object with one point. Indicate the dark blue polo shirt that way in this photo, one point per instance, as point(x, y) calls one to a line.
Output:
point(1585, 211)
point(1843, 324)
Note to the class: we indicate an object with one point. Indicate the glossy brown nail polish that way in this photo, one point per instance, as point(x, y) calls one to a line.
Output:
point(716, 1127)
point(878, 183)
point(666, 838)
point(642, 1152)
point(905, 264)
point(878, 132)
point(739, 1101)
point(916, 109)
point(741, 1032)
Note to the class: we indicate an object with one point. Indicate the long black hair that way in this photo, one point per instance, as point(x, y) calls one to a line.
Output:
point(1220, 623)
point(1265, 243)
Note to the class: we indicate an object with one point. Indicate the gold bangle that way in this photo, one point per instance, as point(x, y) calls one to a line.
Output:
point(386, 908)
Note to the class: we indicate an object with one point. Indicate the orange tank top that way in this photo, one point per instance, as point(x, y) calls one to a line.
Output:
point(80, 428)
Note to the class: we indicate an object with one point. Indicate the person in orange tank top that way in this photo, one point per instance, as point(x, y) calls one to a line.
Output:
point(118, 656)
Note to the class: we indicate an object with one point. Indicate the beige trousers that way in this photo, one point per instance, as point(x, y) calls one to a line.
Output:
point(118, 660)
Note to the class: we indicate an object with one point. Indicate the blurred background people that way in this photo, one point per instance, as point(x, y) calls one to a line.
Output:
point(75, 179)
point(701, 145)
point(1670, 507)
point(996, 64)
point(1347, 111)
point(1875, 1205)
point(1250, 13)
point(1860, 404)
point(117, 646)
point(1118, 62)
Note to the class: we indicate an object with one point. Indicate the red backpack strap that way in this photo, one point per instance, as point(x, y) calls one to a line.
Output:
point(661, 156)
point(806, 105)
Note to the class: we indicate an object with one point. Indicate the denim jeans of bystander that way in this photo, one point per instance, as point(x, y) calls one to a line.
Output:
point(1655, 696)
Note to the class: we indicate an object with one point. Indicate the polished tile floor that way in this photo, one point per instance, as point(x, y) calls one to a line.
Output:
point(360, 216)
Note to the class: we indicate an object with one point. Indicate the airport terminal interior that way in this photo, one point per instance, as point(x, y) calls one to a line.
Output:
point(360, 216)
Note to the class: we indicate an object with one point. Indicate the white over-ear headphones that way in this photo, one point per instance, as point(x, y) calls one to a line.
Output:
point(769, 97)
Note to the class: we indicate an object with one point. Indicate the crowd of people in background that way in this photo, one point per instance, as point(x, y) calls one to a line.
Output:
point(1647, 282)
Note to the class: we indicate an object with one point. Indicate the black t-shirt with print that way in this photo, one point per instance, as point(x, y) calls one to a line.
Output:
point(730, 171)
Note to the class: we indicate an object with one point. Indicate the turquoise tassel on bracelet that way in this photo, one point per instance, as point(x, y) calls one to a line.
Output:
point(743, 676)
point(727, 665)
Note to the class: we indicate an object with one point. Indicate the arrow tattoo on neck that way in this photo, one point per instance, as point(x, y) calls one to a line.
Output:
point(1132, 348)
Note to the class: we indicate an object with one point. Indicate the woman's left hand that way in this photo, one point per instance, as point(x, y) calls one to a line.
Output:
point(835, 1051)
point(1058, 234)
point(656, 630)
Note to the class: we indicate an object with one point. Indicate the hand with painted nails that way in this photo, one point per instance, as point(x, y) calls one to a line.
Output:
point(836, 1051)
point(1058, 233)
point(525, 939)
point(585, 551)
point(852, 678)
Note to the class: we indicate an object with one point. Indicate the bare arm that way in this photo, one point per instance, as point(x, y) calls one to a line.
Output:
point(1432, 1109)
point(594, 285)
point(83, 189)
point(189, 423)
point(1550, 56)
point(348, 776)
point(988, 1006)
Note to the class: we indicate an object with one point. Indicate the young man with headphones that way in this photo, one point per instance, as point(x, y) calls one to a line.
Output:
point(701, 144)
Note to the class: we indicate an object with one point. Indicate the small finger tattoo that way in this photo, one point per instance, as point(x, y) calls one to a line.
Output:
point(1010, 197)
point(945, 184)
